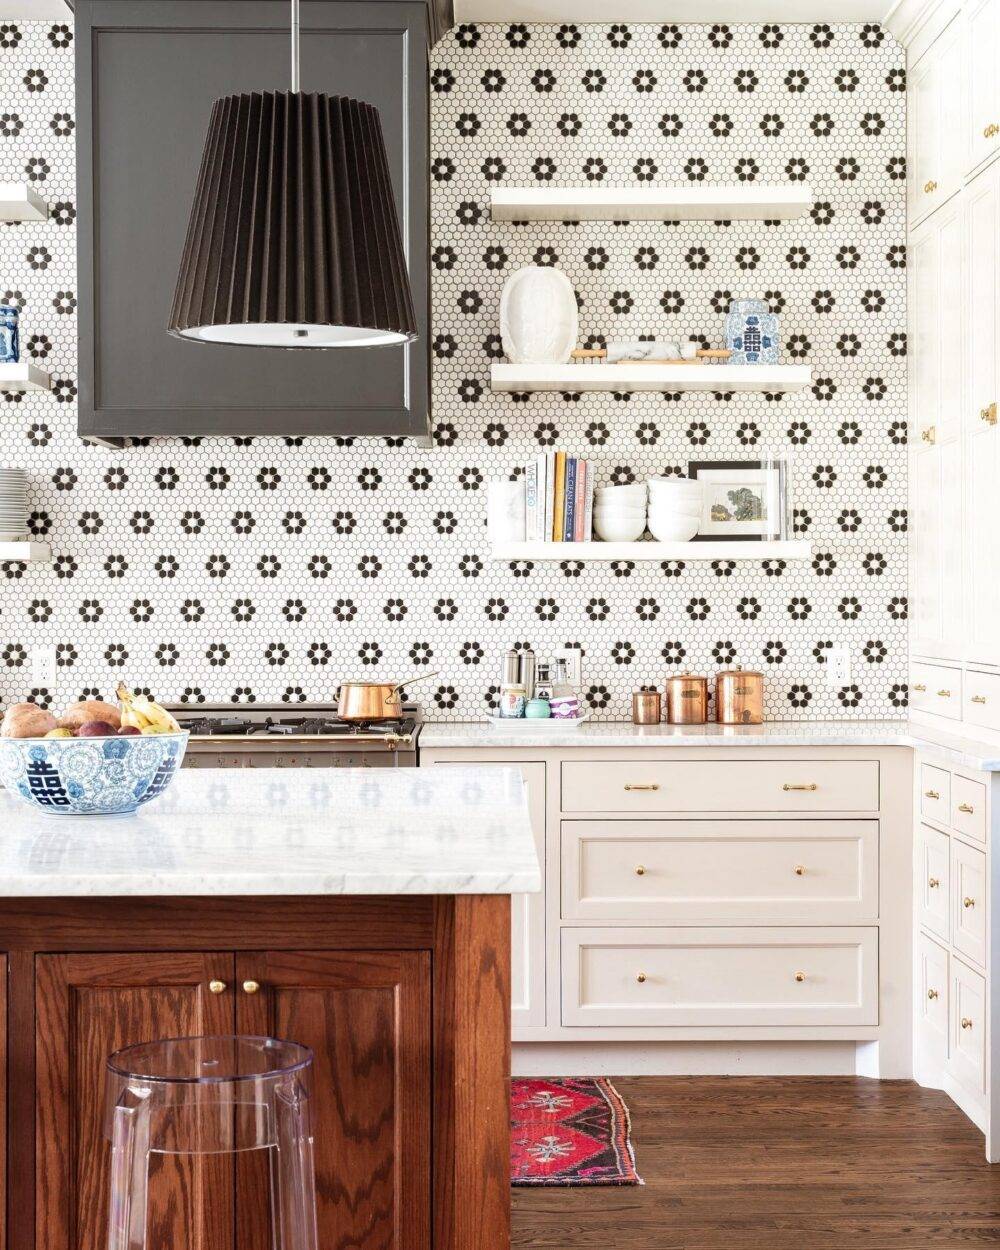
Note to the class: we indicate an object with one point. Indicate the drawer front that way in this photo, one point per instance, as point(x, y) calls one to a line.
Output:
point(967, 1031)
point(934, 688)
point(968, 807)
point(720, 786)
point(752, 977)
point(932, 998)
point(933, 885)
point(712, 871)
point(981, 699)
point(935, 793)
point(968, 901)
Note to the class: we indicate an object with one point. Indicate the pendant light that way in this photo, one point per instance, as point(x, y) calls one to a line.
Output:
point(293, 239)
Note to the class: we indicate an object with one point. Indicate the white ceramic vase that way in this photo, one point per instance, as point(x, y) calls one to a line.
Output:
point(538, 316)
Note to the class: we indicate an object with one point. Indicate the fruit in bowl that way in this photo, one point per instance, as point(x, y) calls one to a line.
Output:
point(97, 759)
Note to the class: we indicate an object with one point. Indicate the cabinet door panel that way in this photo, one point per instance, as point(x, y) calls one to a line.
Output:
point(983, 113)
point(86, 1007)
point(3, 1101)
point(366, 1015)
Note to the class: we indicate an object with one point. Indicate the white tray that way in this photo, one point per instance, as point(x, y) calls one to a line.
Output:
point(531, 724)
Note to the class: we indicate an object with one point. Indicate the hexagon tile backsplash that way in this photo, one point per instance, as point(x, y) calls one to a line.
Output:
point(271, 568)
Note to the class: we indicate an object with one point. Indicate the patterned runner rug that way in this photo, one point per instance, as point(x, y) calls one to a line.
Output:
point(569, 1131)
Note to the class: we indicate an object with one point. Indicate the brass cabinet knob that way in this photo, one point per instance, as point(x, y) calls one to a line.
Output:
point(933, 882)
point(929, 186)
point(966, 1022)
point(932, 994)
point(806, 786)
point(800, 870)
point(931, 794)
point(968, 902)
point(639, 870)
point(920, 689)
point(640, 977)
point(800, 976)
point(989, 415)
point(978, 698)
point(929, 435)
point(944, 694)
point(642, 785)
point(251, 987)
point(967, 808)
point(217, 987)
point(991, 130)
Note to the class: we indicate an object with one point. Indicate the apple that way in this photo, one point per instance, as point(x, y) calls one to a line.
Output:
point(96, 729)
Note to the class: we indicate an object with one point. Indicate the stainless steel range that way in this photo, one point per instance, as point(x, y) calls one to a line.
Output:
point(301, 735)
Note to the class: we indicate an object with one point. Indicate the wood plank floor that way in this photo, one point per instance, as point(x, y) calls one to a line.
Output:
point(741, 1163)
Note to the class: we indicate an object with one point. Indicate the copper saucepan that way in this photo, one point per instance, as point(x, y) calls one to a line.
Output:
point(374, 700)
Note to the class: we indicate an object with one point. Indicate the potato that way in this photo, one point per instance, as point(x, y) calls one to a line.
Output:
point(26, 720)
point(78, 714)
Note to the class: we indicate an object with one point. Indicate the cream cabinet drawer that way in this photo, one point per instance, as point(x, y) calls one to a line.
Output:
point(933, 889)
point(967, 1031)
point(720, 785)
point(935, 793)
point(714, 871)
point(968, 807)
point(932, 1000)
point(968, 901)
point(981, 702)
point(701, 976)
point(934, 688)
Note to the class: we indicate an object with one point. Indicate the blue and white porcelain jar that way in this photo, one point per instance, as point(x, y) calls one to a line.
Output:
point(752, 333)
point(10, 346)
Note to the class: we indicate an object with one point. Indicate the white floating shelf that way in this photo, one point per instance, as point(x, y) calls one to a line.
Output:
point(637, 376)
point(18, 202)
point(24, 377)
point(26, 552)
point(748, 201)
point(789, 550)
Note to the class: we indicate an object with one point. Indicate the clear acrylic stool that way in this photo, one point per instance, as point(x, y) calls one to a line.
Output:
point(212, 1095)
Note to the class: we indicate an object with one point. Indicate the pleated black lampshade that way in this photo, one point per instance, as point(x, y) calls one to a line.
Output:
point(293, 239)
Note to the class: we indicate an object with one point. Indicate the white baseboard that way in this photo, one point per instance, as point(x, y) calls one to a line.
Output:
point(684, 1059)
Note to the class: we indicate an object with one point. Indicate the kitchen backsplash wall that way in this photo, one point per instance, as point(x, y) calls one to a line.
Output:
point(271, 568)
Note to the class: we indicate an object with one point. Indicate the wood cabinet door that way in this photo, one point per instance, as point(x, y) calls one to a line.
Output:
point(3, 1102)
point(87, 1006)
point(982, 37)
point(366, 1016)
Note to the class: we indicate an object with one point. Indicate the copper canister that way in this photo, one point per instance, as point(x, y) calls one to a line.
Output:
point(687, 699)
point(646, 707)
point(739, 697)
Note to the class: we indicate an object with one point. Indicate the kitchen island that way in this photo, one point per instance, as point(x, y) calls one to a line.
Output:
point(362, 913)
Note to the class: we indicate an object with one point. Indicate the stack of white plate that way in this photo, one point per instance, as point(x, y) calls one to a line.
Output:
point(674, 508)
point(620, 512)
point(13, 505)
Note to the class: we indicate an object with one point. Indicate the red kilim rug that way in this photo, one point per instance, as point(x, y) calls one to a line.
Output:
point(569, 1131)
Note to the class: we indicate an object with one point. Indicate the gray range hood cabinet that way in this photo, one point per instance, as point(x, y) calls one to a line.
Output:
point(147, 74)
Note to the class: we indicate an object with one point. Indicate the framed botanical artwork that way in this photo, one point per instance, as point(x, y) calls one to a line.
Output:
point(743, 500)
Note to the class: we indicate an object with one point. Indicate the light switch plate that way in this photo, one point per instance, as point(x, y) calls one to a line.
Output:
point(43, 667)
point(574, 664)
point(838, 667)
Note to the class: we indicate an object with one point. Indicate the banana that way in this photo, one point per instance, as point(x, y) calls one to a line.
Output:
point(142, 713)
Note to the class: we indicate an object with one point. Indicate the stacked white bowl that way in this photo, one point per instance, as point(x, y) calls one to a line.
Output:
point(620, 512)
point(674, 508)
point(13, 504)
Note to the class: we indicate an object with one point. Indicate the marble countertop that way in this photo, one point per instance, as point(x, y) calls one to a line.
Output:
point(956, 748)
point(285, 831)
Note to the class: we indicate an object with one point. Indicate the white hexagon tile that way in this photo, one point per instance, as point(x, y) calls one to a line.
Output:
point(272, 568)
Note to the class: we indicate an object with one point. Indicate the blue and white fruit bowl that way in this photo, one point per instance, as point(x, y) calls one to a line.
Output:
point(90, 776)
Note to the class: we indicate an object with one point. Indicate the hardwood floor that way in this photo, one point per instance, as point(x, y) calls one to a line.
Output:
point(745, 1163)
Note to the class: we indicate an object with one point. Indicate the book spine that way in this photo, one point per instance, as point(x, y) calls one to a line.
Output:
point(550, 466)
point(569, 512)
point(538, 533)
point(579, 518)
point(530, 498)
point(588, 512)
point(559, 497)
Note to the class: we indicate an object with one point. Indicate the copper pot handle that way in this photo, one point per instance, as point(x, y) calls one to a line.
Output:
point(411, 681)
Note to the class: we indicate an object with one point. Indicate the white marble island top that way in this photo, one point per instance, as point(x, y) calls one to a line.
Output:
point(285, 831)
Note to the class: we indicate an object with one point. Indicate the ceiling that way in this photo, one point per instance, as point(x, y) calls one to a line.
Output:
point(747, 11)
point(34, 10)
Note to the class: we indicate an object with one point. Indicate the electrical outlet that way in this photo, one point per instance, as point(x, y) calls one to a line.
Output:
point(838, 667)
point(43, 667)
point(574, 664)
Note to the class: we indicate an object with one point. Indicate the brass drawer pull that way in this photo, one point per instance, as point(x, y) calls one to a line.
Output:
point(933, 882)
point(920, 689)
point(968, 902)
point(929, 435)
point(967, 808)
point(800, 977)
point(640, 977)
point(966, 1022)
point(640, 871)
point(931, 794)
point(978, 698)
point(251, 987)
point(800, 870)
point(991, 130)
point(989, 415)
point(929, 186)
point(811, 785)
point(944, 694)
point(642, 785)
point(217, 987)
point(932, 994)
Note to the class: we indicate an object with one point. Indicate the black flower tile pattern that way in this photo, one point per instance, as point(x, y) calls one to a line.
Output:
point(271, 568)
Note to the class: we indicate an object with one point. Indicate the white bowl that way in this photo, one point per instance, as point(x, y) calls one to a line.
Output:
point(619, 529)
point(673, 529)
point(634, 493)
point(616, 510)
point(656, 509)
point(674, 488)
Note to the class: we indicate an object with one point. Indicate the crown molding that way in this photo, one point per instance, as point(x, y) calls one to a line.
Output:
point(905, 19)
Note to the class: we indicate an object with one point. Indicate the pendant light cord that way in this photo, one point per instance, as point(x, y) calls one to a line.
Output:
point(295, 45)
